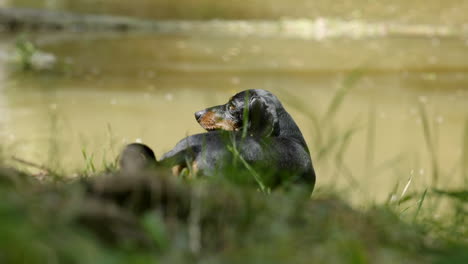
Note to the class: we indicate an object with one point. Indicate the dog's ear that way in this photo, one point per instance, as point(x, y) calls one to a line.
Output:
point(263, 118)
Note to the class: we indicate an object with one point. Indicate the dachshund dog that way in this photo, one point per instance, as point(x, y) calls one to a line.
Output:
point(252, 126)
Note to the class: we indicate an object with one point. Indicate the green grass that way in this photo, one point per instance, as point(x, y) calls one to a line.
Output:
point(153, 217)
point(25, 50)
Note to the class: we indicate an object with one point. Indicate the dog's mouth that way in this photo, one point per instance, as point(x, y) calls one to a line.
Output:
point(211, 129)
point(211, 121)
point(227, 126)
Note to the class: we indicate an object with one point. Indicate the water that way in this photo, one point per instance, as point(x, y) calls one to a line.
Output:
point(112, 89)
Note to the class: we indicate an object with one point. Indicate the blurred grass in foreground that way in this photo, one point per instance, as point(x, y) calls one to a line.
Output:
point(151, 217)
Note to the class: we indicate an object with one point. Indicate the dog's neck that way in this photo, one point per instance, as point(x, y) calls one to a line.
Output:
point(288, 128)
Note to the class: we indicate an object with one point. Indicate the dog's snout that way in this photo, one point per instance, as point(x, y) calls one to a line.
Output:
point(198, 115)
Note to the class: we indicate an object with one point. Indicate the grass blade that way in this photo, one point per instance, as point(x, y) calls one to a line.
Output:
point(339, 96)
point(420, 203)
point(430, 144)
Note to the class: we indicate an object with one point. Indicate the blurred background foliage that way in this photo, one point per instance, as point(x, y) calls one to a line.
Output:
point(416, 11)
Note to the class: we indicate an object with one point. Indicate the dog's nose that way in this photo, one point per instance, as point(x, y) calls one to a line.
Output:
point(198, 115)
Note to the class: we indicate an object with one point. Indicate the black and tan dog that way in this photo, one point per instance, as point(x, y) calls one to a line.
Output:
point(253, 125)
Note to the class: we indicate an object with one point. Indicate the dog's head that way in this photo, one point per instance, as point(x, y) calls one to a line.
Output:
point(256, 109)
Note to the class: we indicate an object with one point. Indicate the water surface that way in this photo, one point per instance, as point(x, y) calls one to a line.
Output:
point(112, 89)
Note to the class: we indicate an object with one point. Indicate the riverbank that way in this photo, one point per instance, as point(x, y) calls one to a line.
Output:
point(153, 217)
point(318, 28)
